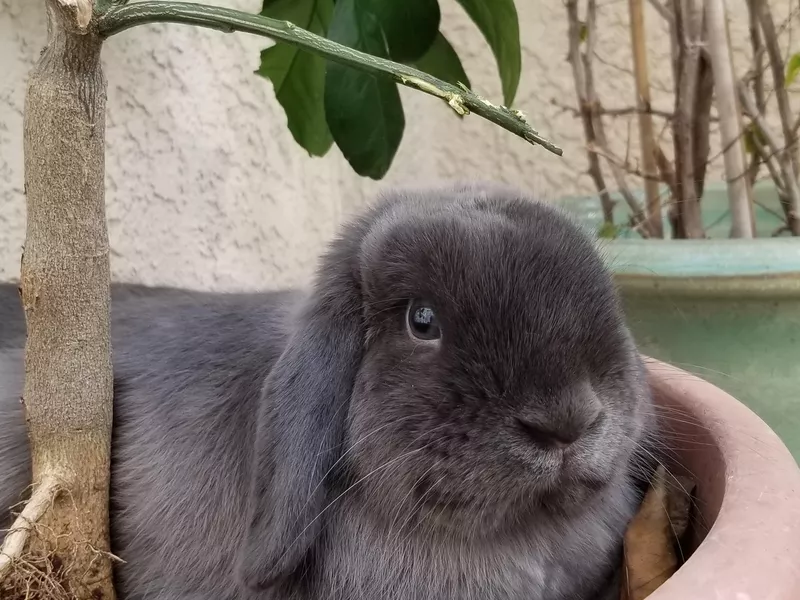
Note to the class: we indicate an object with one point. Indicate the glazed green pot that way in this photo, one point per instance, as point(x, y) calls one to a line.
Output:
point(727, 310)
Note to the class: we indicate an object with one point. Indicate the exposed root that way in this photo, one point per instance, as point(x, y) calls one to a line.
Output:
point(51, 574)
point(38, 563)
point(34, 510)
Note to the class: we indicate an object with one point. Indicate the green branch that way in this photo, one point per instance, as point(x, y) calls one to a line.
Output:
point(118, 17)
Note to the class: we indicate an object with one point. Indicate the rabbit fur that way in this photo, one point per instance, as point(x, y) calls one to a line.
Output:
point(303, 445)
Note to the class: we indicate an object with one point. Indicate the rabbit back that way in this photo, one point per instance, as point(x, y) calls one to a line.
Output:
point(189, 367)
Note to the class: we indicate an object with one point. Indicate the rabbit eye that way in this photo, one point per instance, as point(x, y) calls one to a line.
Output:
point(422, 321)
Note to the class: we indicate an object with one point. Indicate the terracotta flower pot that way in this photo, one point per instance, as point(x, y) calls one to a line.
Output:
point(745, 534)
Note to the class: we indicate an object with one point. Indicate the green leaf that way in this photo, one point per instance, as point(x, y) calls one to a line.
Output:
point(792, 69)
point(498, 22)
point(751, 134)
point(299, 77)
point(441, 61)
point(583, 32)
point(608, 231)
point(747, 137)
point(410, 26)
point(364, 112)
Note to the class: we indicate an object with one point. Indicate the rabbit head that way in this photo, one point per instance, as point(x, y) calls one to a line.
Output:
point(462, 361)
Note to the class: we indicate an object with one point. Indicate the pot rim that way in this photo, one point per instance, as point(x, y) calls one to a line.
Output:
point(752, 550)
point(748, 261)
point(717, 258)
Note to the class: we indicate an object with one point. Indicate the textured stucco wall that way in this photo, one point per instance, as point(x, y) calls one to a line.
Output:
point(206, 187)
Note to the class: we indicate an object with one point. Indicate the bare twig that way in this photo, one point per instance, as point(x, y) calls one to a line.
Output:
point(586, 110)
point(642, 78)
point(671, 17)
point(739, 194)
point(622, 163)
point(622, 111)
point(638, 217)
point(34, 510)
point(666, 172)
point(788, 178)
point(763, 155)
point(777, 66)
point(759, 50)
point(701, 138)
point(663, 10)
point(757, 45)
point(591, 110)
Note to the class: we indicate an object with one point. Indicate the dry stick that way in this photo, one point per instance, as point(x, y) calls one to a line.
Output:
point(674, 213)
point(34, 510)
point(665, 168)
point(585, 111)
point(701, 138)
point(689, 27)
point(674, 46)
point(662, 10)
point(762, 155)
point(622, 111)
point(739, 194)
point(641, 76)
point(757, 45)
point(638, 220)
point(666, 172)
point(788, 152)
point(581, 63)
point(622, 163)
point(757, 74)
point(777, 66)
point(791, 188)
point(703, 118)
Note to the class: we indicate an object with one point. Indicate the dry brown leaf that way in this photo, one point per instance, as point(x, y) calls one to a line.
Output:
point(649, 548)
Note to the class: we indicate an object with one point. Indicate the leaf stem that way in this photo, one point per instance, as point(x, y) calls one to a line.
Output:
point(117, 18)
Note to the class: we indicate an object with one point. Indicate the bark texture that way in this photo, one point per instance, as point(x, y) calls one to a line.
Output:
point(65, 294)
point(689, 25)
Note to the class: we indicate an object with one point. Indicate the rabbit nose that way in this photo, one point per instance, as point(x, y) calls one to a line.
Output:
point(546, 437)
point(554, 436)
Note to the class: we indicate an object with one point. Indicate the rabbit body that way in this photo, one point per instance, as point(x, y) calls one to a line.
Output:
point(304, 445)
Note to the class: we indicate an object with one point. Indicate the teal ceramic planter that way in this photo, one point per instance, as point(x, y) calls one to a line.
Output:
point(726, 310)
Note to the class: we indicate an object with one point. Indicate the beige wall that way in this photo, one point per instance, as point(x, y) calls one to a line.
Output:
point(206, 187)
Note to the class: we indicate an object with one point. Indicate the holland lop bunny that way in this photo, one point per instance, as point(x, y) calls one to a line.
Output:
point(452, 412)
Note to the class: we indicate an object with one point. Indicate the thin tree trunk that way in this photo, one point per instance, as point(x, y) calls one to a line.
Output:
point(65, 294)
point(688, 20)
point(646, 135)
point(730, 128)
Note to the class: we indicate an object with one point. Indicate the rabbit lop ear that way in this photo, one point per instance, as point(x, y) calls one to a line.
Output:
point(302, 420)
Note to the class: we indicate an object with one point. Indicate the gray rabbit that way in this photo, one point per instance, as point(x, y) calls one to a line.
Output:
point(454, 411)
